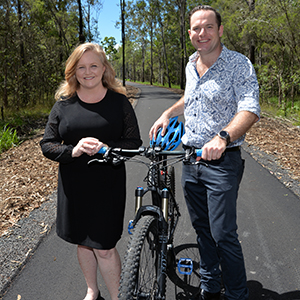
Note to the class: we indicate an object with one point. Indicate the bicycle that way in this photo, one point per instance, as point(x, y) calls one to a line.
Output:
point(151, 256)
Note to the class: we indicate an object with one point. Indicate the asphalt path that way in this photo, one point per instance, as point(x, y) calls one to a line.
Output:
point(268, 219)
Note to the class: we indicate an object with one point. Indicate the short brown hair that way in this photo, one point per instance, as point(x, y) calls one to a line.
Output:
point(206, 7)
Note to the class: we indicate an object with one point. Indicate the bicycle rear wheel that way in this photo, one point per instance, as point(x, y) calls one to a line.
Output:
point(189, 283)
point(139, 272)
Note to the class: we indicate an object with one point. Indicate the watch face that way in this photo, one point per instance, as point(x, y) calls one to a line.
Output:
point(223, 134)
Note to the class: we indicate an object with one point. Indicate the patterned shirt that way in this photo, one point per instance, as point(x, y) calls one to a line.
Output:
point(210, 102)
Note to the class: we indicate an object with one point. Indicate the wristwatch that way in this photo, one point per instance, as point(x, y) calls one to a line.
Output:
point(225, 136)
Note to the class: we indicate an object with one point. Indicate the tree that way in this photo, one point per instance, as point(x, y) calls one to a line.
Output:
point(81, 36)
point(109, 46)
point(122, 5)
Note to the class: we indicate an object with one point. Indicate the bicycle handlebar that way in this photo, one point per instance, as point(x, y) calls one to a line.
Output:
point(197, 152)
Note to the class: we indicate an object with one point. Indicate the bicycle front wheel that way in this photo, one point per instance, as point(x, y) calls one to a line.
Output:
point(139, 272)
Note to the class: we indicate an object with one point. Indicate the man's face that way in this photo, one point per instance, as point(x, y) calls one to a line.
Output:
point(204, 32)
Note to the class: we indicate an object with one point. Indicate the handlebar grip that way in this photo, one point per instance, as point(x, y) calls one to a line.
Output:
point(198, 152)
point(102, 150)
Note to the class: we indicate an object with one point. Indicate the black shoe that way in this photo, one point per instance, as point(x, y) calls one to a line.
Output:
point(210, 296)
point(99, 297)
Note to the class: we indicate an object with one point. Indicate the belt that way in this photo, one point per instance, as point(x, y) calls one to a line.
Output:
point(232, 149)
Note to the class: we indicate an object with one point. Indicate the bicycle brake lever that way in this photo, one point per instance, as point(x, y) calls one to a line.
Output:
point(96, 160)
point(199, 162)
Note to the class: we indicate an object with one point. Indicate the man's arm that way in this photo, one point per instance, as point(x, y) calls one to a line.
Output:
point(163, 121)
point(238, 126)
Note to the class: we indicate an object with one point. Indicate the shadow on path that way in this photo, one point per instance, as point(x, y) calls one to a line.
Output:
point(187, 286)
point(257, 292)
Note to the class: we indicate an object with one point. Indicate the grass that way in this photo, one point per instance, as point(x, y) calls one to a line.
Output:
point(20, 125)
point(287, 111)
point(8, 139)
point(173, 86)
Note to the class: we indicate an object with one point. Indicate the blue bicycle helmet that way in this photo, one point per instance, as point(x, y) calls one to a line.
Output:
point(172, 137)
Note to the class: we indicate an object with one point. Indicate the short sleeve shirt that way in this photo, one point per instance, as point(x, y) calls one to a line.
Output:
point(210, 102)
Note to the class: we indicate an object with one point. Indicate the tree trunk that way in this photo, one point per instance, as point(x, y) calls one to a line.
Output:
point(151, 52)
point(143, 61)
point(22, 74)
point(122, 5)
point(5, 98)
point(182, 8)
point(81, 36)
point(164, 44)
point(252, 42)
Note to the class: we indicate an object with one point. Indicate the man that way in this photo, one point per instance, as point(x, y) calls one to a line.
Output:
point(220, 104)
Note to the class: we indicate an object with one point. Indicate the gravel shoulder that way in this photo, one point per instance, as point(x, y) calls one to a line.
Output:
point(28, 212)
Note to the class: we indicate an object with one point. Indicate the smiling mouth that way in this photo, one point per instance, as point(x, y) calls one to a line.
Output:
point(204, 41)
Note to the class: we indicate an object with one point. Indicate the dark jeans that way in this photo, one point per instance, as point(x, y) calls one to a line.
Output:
point(211, 193)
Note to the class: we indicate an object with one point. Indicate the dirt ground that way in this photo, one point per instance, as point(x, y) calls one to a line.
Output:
point(27, 178)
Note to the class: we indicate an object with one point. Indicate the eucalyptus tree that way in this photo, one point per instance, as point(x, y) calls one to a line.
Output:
point(36, 37)
point(160, 17)
point(273, 27)
point(140, 26)
point(279, 44)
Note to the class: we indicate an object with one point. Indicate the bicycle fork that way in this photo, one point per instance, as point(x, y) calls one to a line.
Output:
point(162, 216)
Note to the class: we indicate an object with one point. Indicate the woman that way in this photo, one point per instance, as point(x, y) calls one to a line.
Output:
point(91, 112)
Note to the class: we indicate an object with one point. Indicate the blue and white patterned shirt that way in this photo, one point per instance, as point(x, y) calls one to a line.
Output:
point(210, 102)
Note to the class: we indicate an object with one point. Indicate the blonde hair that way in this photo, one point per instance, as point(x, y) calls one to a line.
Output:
point(70, 85)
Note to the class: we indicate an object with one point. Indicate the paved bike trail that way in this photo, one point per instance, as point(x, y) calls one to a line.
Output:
point(268, 219)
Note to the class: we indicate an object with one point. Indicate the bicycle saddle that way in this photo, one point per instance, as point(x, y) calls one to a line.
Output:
point(172, 137)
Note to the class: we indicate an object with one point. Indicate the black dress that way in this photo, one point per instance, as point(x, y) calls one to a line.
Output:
point(91, 199)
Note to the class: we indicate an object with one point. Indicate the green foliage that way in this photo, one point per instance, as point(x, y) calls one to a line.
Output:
point(8, 138)
point(290, 111)
point(27, 121)
point(109, 46)
point(174, 86)
point(33, 49)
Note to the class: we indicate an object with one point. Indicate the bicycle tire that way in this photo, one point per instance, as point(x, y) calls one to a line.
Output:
point(139, 271)
point(170, 183)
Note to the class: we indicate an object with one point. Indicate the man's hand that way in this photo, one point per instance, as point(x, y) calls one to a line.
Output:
point(214, 149)
point(176, 109)
point(238, 126)
point(163, 123)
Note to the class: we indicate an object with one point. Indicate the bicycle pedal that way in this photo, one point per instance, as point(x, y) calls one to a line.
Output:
point(185, 266)
point(130, 226)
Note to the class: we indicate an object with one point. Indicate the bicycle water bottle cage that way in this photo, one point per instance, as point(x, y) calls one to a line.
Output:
point(172, 138)
point(185, 266)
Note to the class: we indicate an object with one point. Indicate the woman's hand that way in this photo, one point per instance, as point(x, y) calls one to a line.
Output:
point(87, 145)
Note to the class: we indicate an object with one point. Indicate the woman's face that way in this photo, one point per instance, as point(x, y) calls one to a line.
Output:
point(89, 71)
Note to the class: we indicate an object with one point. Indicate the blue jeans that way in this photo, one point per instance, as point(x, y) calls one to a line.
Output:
point(211, 192)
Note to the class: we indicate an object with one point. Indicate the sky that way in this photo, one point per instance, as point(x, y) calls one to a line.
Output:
point(107, 18)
